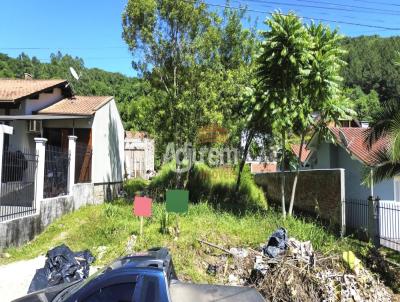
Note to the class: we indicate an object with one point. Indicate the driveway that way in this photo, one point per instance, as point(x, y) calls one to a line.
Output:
point(16, 277)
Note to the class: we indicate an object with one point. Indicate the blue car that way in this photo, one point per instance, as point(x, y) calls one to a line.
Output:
point(143, 277)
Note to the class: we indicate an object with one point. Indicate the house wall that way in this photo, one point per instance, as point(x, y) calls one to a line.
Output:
point(45, 100)
point(108, 145)
point(330, 156)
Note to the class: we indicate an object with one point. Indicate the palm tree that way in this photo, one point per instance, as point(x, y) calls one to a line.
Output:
point(386, 123)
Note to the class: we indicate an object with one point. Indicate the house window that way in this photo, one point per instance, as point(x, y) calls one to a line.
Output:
point(397, 188)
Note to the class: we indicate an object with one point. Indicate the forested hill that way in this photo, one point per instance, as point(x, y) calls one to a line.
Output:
point(93, 81)
point(371, 65)
point(370, 77)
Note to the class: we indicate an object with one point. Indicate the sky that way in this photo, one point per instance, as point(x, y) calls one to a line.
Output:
point(92, 30)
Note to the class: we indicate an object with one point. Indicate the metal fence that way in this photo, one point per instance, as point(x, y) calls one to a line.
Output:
point(386, 218)
point(389, 224)
point(357, 217)
point(17, 195)
point(55, 172)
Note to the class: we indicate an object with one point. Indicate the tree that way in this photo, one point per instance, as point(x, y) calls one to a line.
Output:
point(386, 123)
point(283, 66)
point(365, 105)
point(321, 87)
point(197, 61)
point(299, 76)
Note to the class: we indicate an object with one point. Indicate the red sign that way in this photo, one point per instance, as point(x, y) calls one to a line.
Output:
point(142, 206)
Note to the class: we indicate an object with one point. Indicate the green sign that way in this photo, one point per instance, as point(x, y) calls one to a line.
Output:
point(177, 201)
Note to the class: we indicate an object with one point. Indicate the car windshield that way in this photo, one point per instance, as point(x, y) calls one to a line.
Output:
point(69, 291)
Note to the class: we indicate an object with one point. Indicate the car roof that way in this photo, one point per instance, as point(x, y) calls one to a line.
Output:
point(156, 258)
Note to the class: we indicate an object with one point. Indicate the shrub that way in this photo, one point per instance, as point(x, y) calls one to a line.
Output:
point(215, 185)
point(135, 186)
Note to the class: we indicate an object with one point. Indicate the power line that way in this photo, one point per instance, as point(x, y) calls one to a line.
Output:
point(304, 17)
point(70, 48)
point(378, 3)
point(352, 6)
point(348, 8)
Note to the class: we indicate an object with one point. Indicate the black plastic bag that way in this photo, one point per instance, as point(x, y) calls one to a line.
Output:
point(62, 266)
point(277, 243)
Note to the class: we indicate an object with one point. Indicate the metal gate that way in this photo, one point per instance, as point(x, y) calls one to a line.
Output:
point(17, 192)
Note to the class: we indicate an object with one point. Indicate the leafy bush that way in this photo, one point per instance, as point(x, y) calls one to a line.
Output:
point(215, 185)
point(135, 185)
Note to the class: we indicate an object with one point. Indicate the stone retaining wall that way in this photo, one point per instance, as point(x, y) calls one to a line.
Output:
point(319, 192)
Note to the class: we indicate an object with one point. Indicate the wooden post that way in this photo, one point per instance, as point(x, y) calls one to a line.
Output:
point(141, 225)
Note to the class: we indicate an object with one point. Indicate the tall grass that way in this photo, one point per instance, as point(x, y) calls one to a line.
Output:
point(112, 224)
point(215, 185)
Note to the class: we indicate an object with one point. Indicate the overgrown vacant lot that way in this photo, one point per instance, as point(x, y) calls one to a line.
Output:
point(112, 224)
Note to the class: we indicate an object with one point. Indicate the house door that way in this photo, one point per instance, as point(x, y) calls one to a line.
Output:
point(83, 163)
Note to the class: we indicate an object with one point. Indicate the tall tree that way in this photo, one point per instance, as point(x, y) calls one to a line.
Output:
point(299, 75)
point(283, 66)
point(320, 88)
point(198, 61)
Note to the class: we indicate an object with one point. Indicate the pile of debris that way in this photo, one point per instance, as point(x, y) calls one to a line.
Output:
point(285, 269)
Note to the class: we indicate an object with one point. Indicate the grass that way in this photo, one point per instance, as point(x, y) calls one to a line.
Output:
point(111, 225)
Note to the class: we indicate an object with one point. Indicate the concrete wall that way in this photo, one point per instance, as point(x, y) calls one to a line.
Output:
point(319, 192)
point(21, 230)
point(108, 145)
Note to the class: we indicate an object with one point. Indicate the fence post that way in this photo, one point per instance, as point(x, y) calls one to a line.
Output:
point(72, 159)
point(343, 203)
point(39, 178)
point(373, 220)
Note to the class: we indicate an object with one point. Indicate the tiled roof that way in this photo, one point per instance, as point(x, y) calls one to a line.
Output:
point(263, 167)
point(77, 105)
point(136, 134)
point(15, 89)
point(356, 145)
point(304, 154)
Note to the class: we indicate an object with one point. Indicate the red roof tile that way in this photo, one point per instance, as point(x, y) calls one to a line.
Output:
point(263, 167)
point(304, 154)
point(15, 89)
point(356, 145)
point(77, 105)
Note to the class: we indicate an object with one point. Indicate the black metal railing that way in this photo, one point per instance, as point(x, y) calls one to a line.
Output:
point(55, 172)
point(357, 216)
point(17, 192)
point(83, 163)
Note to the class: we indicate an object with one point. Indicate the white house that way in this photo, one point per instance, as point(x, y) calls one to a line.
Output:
point(349, 151)
point(48, 109)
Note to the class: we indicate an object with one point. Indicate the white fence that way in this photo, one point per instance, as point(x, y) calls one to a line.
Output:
point(382, 218)
point(389, 223)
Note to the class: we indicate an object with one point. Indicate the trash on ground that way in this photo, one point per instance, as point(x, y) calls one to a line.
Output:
point(62, 266)
point(286, 269)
